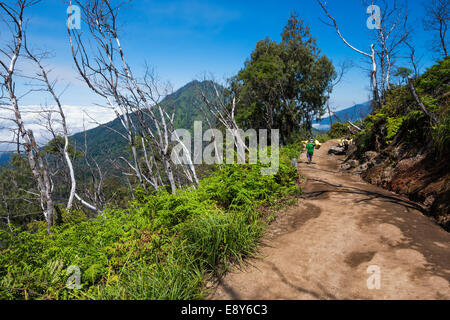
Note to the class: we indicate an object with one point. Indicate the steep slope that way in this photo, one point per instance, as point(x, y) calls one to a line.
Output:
point(103, 143)
point(403, 150)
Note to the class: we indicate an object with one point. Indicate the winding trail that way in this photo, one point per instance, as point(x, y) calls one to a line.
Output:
point(322, 248)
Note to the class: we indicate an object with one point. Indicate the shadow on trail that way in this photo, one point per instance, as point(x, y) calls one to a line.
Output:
point(316, 295)
point(309, 167)
point(233, 294)
point(371, 195)
point(418, 233)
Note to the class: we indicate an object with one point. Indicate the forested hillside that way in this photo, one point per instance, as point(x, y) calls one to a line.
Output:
point(103, 143)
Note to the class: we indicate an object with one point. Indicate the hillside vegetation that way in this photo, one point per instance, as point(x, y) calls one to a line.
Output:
point(162, 246)
point(403, 150)
point(103, 143)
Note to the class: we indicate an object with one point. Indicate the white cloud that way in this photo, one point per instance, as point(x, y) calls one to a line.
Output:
point(321, 126)
point(76, 116)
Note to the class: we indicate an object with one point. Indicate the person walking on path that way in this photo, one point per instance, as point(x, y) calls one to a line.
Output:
point(310, 150)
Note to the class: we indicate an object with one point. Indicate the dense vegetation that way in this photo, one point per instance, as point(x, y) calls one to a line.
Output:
point(165, 235)
point(411, 144)
point(284, 85)
point(162, 246)
point(401, 118)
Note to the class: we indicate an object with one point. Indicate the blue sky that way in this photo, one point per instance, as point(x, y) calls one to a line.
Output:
point(184, 39)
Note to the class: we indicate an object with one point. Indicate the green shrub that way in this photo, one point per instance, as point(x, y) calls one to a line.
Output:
point(163, 246)
point(393, 126)
point(401, 114)
point(338, 130)
point(441, 134)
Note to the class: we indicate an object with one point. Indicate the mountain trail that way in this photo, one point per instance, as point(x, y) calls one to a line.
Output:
point(346, 239)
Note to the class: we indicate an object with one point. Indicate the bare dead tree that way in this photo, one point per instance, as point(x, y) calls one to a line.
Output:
point(223, 107)
point(42, 77)
point(186, 163)
point(137, 104)
point(97, 180)
point(206, 115)
point(391, 34)
point(100, 71)
point(372, 55)
point(8, 63)
point(422, 106)
point(413, 59)
point(165, 129)
point(437, 16)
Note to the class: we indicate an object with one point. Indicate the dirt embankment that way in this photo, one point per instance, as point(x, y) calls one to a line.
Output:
point(343, 232)
point(414, 172)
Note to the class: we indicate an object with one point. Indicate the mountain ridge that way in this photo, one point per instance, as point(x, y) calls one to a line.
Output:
point(356, 112)
point(102, 141)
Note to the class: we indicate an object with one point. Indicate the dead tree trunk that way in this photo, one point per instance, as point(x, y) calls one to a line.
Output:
point(35, 161)
point(50, 87)
point(110, 77)
point(419, 101)
point(371, 55)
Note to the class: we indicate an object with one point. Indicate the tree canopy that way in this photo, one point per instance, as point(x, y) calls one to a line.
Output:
point(284, 85)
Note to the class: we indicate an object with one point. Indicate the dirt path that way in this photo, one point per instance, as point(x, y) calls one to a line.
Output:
point(342, 226)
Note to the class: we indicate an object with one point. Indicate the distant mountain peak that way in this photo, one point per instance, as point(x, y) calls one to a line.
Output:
point(192, 86)
point(185, 101)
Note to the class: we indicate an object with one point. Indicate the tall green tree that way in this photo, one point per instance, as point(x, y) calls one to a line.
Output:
point(284, 85)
